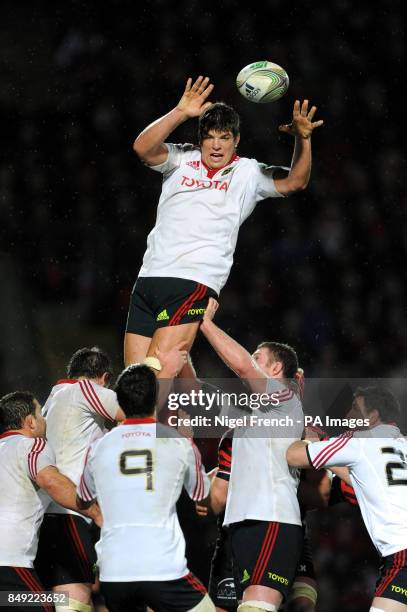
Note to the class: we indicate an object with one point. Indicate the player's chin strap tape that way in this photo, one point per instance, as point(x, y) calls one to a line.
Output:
point(376, 609)
point(152, 362)
point(74, 606)
point(303, 589)
point(257, 606)
point(205, 605)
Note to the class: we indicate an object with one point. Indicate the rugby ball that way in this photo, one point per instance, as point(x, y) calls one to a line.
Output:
point(262, 82)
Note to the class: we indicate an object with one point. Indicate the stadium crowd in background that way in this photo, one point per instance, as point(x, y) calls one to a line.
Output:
point(323, 270)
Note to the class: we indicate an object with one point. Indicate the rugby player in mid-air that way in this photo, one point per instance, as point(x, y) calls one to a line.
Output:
point(208, 191)
point(376, 462)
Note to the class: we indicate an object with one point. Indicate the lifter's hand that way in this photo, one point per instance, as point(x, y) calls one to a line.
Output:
point(193, 102)
point(210, 310)
point(172, 361)
point(302, 124)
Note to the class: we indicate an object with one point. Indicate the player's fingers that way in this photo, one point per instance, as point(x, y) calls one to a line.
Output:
point(188, 85)
point(197, 83)
point(312, 112)
point(317, 123)
point(203, 84)
point(207, 91)
point(304, 108)
point(205, 107)
point(285, 128)
point(296, 110)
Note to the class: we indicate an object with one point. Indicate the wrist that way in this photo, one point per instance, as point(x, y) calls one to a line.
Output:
point(179, 114)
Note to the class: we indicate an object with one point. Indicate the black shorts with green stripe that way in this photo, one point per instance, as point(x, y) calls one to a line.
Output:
point(392, 582)
point(265, 553)
point(66, 551)
point(164, 302)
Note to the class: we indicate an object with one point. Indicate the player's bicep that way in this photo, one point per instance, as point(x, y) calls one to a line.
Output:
point(270, 181)
point(155, 158)
point(341, 451)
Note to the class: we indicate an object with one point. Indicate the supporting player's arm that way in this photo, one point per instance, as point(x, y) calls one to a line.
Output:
point(235, 356)
point(149, 145)
point(297, 454)
point(63, 491)
point(301, 127)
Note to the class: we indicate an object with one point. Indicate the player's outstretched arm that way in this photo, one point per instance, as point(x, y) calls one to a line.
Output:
point(149, 145)
point(301, 127)
point(231, 352)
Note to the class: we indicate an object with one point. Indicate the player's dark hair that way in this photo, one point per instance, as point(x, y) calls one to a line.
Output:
point(89, 362)
point(136, 390)
point(382, 400)
point(284, 353)
point(219, 117)
point(14, 408)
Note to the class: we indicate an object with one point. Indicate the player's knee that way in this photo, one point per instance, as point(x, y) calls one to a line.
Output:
point(257, 606)
point(205, 605)
point(303, 597)
point(74, 606)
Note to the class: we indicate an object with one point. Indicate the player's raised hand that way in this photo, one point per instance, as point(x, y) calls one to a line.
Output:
point(302, 124)
point(193, 102)
point(210, 310)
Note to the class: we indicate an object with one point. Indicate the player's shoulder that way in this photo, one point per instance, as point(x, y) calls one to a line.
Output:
point(186, 149)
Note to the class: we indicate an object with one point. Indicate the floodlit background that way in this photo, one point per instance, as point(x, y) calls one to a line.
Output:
point(324, 270)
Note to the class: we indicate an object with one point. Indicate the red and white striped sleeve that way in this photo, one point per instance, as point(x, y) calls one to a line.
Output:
point(225, 456)
point(86, 489)
point(196, 481)
point(342, 451)
point(40, 455)
point(99, 400)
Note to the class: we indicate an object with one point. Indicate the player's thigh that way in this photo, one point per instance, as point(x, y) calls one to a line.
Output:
point(181, 595)
point(66, 554)
point(166, 338)
point(265, 554)
point(381, 604)
point(135, 348)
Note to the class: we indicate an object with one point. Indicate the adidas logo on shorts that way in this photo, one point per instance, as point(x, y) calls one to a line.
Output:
point(163, 316)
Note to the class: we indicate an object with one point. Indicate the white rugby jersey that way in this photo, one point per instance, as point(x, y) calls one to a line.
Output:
point(377, 462)
point(75, 413)
point(199, 215)
point(21, 500)
point(137, 472)
point(262, 486)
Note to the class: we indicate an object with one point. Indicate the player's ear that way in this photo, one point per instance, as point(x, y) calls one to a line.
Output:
point(237, 140)
point(29, 422)
point(106, 379)
point(276, 368)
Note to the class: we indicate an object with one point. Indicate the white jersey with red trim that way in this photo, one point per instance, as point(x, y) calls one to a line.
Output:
point(262, 486)
point(76, 411)
point(22, 502)
point(137, 472)
point(377, 462)
point(199, 215)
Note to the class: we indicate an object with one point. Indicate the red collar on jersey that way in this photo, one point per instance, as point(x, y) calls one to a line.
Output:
point(141, 421)
point(6, 434)
point(67, 381)
point(212, 171)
